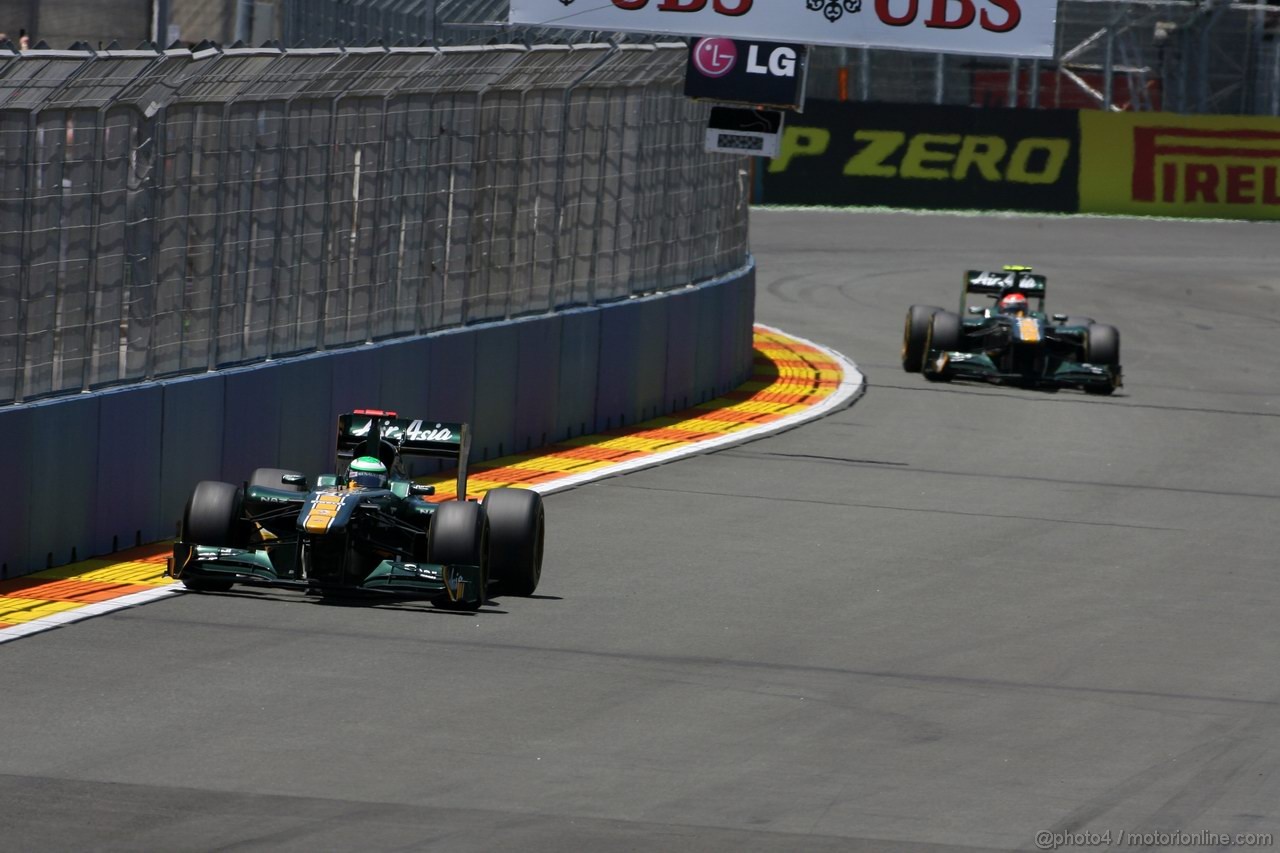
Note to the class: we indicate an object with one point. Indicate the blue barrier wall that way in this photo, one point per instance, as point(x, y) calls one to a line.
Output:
point(111, 469)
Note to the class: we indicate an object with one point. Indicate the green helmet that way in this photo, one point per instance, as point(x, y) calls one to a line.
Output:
point(367, 472)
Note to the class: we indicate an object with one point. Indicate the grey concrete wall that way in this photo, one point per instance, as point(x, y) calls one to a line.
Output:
point(96, 472)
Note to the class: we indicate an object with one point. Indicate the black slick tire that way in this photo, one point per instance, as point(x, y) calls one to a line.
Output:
point(944, 334)
point(459, 536)
point(914, 334)
point(1102, 347)
point(517, 526)
point(212, 517)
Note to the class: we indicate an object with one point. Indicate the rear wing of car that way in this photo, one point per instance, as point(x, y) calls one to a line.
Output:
point(1012, 279)
point(371, 432)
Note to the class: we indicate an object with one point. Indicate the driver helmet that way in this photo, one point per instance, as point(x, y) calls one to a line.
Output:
point(1014, 304)
point(367, 472)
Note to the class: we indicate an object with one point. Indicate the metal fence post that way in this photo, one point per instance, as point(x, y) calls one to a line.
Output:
point(158, 135)
point(95, 213)
point(1109, 68)
point(592, 268)
point(326, 247)
point(24, 274)
point(939, 78)
point(220, 191)
point(558, 248)
point(277, 242)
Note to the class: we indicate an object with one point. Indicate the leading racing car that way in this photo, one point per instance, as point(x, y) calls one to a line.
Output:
point(370, 530)
point(1011, 341)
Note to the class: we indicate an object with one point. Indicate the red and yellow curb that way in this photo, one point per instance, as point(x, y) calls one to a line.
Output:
point(794, 381)
point(791, 377)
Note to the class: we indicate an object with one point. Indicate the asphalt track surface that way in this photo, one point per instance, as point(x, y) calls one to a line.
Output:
point(946, 618)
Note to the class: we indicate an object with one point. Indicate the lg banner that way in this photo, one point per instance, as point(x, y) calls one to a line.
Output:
point(981, 27)
point(740, 72)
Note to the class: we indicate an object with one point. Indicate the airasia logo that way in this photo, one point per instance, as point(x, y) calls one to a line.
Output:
point(997, 16)
point(715, 57)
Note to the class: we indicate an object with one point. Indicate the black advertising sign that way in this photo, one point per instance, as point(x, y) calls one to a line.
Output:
point(909, 155)
point(746, 72)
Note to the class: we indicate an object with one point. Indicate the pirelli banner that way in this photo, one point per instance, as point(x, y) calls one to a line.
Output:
point(1162, 164)
point(937, 157)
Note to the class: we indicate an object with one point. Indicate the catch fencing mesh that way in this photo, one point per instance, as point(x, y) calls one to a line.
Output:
point(172, 212)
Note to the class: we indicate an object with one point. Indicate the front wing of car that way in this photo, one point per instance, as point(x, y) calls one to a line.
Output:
point(978, 366)
point(255, 567)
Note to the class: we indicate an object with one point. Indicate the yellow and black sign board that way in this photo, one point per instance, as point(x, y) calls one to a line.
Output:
point(938, 157)
point(1059, 161)
point(1174, 165)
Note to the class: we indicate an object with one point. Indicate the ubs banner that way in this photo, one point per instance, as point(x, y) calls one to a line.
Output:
point(1175, 165)
point(928, 156)
point(981, 27)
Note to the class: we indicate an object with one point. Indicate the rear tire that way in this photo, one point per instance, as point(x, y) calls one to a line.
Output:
point(269, 478)
point(459, 535)
point(517, 524)
point(914, 334)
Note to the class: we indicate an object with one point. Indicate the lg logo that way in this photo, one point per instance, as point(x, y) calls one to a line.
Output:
point(716, 57)
point(782, 62)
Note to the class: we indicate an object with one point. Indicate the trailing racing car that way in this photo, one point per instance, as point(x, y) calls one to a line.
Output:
point(1011, 341)
point(371, 529)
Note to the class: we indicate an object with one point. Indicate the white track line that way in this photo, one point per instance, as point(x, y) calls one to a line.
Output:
point(850, 388)
point(66, 617)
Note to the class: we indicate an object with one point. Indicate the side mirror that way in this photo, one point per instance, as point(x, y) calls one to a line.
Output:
point(294, 480)
point(1059, 318)
point(975, 309)
point(417, 489)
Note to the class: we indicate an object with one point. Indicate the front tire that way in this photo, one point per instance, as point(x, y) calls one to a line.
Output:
point(459, 535)
point(915, 333)
point(212, 517)
point(1102, 347)
point(944, 336)
point(517, 524)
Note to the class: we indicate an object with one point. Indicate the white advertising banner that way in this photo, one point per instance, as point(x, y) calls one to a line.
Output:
point(979, 27)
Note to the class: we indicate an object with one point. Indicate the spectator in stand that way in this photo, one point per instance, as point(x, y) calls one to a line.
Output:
point(24, 40)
